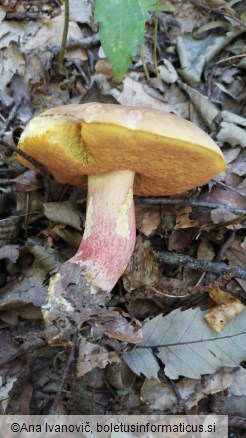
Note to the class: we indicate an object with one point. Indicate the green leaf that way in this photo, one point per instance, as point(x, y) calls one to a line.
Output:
point(121, 29)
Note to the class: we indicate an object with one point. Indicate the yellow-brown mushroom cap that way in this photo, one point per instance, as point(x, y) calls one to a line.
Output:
point(169, 155)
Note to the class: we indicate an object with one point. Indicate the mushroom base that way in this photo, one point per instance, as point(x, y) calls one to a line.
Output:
point(110, 230)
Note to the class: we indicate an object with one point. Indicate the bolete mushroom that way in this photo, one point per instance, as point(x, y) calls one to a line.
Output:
point(123, 150)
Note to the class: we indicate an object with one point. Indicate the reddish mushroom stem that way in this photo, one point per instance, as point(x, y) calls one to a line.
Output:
point(110, 230)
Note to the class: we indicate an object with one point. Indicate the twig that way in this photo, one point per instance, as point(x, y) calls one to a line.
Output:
point(182, 403)
point(146, 71)
point(183, 201)
point(65, 32)
point(175, 259)
point(11, 116)
point(85, 42)
point(65, 373)
point(220, 254)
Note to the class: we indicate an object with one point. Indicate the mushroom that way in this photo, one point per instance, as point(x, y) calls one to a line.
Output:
point(123, 150)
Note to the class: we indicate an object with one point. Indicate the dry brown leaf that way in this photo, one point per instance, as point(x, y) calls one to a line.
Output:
point(122, 330)
point(69, 235)
point(34, 69)
point(103, 66)
point(78, 54)
point(92, 356)
point(231, 154)
point(181, 238)
point(236, 253)
point(50, 33)
point(160, 395)
point(147, 219)
point(205, 251)
point(183, 220)
point(65, 212)
point(142, 270)
point(221, 215)
point(134, 94)
point(28, 181)
point(229, 307)
point(228, 197)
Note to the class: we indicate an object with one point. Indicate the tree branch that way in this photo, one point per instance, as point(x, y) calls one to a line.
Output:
point(175, 259)
point(185, 201)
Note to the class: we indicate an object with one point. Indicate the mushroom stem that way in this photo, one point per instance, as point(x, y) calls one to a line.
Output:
point(110, 230)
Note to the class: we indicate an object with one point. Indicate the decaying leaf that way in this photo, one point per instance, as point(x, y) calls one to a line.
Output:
point(194, 54)
point(92, 356)
point(229, 307)
point(28, 181)
point(183, 220)
point(208, 111)
point(50, 33)
point(228, 197)
point(187, 346)
point(205, 251)
point(160, 395)
point(142, 270)
point(63, 212)
point(147, 219)
point(236, 253)
point(119, 328)
point(69, 235)
point(47, 258)
point(134, 93)
point(8, 229)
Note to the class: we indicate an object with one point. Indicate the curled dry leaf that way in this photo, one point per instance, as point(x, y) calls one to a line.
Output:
point(229, 307)
point(232, 129)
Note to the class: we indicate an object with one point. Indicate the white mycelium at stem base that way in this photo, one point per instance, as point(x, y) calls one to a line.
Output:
point(110, 230)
